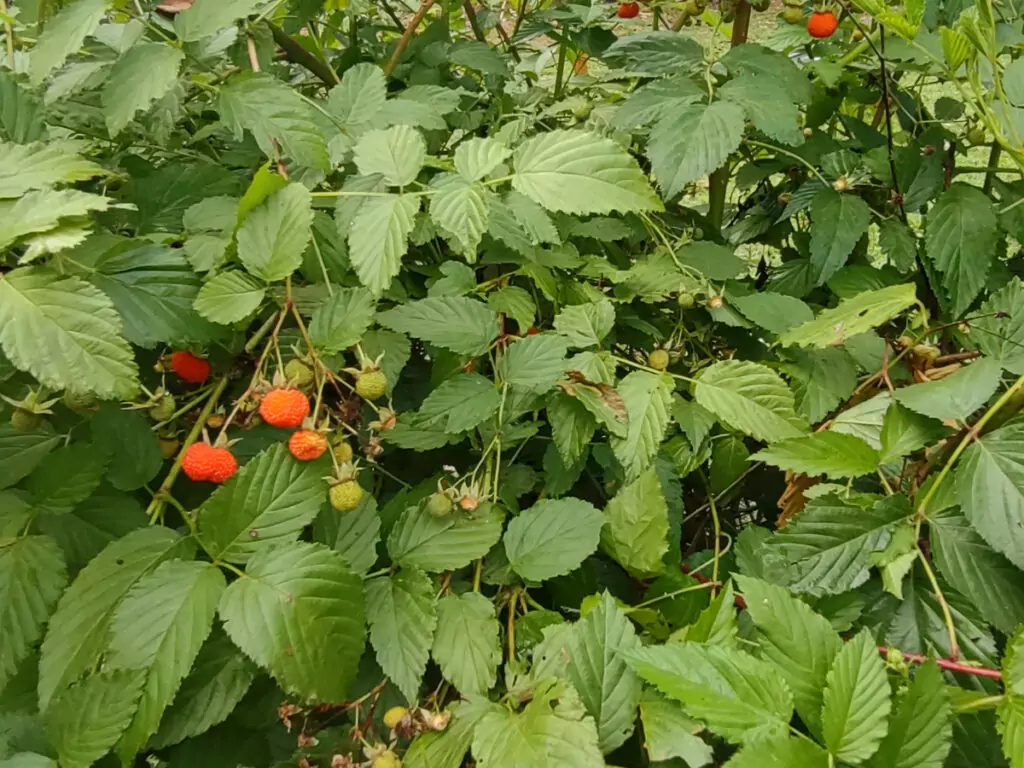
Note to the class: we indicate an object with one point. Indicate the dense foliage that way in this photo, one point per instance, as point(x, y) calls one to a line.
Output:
point(511, 384)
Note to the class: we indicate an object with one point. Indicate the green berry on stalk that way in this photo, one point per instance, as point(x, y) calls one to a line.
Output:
point(686, 300)
point(163, 409)
point(298, 373)
point(371, 385)
point(24, 420)
point(346, 495)
point(658, 359)
point(439, 505)
point(342, 452)
point(976, 135)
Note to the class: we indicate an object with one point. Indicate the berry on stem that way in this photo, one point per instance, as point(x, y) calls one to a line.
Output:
point(204, 463)
point(284, 407)
point(822, 24)
point(371, 384)
point(658, 359)
point(188, 367)
point(629, 10)
point(346, 495)
point(298, 373)
point(307, 444)
point(394, 716)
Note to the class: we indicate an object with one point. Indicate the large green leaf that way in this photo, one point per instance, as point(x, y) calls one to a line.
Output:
point(572, 426)
point(462, 402)
point(467, 646)
point(826, 548)
point(784, 752)
point(353, 535)
point(63, 35)
point(446, 749)
point(206, 17)
point(402, 615)
point(635, 533)
point(420, 540)
point(65, 478)
point(32, 576)
point(1011, 728)
point(79, 628)
point(66, 333)
point(990, 486)
point(669, 732)
point(585, 325)
point(477, 158)
point(838, 222)
point(1001, 326)
point(856, 701)
point(693, 141)
point(647, 398)
point(229, 297)
point(40, 211)
point(299, 614)
point(360, 95)
point(460, 210)
point(921, 727)
point(379, 238)
point(798, 642)
point(38, 166)
point(274, 235)
point(126, 440)
point(581, 172)
point(21, 452)
point(463, 325)
point(656, 53)
point(552, 537)
point(956, 396)
point(960, 241)
point(267, 503)
point(158, 629)
point(741, 698)
point(397, 154)
point(821, 379)
point(852, 317)
point(754, 59)
point(341, 321)
point(750, 398)
point(832, 454)
point(534, 363)
point(138, 78)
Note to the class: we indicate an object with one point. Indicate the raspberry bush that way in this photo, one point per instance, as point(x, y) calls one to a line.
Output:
point(511, 383)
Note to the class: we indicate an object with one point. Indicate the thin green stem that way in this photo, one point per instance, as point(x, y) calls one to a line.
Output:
point(8, 34)
point(675, 593)
point(947, 616)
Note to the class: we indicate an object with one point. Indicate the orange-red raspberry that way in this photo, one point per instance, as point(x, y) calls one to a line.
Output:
point(204, 463)
point(307, 444)
point(285, 407)
point(194, 370)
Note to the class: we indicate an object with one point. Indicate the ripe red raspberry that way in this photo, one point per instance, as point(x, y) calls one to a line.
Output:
point(285, 407)
point(628, 10)
point(194, 370)
point(204, 463)
point(822, 24)
point(307, 444)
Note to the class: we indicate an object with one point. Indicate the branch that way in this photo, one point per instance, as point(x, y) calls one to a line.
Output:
point(403, 41)
point(296, 54)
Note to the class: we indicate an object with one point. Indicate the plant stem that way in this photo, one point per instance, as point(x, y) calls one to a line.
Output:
point(947, 616)
point(403, 41)
point(8, 35)
point(474, 22)
point(560, 72)
point(675, 593)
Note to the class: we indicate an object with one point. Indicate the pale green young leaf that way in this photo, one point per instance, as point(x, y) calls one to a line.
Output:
point(379, 238)
point(694, 420)
point(857, 701)
point(961, 232)
point(585, 325)
point(477, 158)
point(921, 727)
point(716, 624)
point(838, 222)
point(32, 576)
point(692, 142)
point(460, 210)
point(898, 243)
point(1001, 326)
point(219, 679)
point(741, 698)
point(832, 454)
point(852, 317)
point(342, 320)
point(86, 720)
point(552, 537)
point(785, 752)
point(206, 252)
point(572, 426)
point(274, 235)
point(647, 398)
point(206, 17)
point(397, 154)
point(353, 535)
point(229, 297)
point(635, 533)
point(774, 312)
point(581, 172)
point(669, 732)
point(28, 760)
point(137, 79)
point(63, 35)
point(40, 165)
point(66, 477)
point(461, 324)
point(402, 614)
point(904, 431)
point(750, 398)
point(516, 303)
point(1010, 724)
point(956, 396)
point(534, 363)
point(467, 646)
point(42, 210)
point(360, 95)
point(158, 629)
point(462, 402)
point(534, 220)
point(435, 544)
point(826, 548)
point(798, 642)
point(312, 642)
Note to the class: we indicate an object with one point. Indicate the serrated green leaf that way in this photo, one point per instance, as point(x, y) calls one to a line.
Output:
point(821, 380)
point(21, 452)
point(310, 642)
point(657, 99)
point(268, 503)
point(586, 325)
point(798, 642)
point(692, 142)
point(774, 312)
point(219, 679)
point(750, 398)
point(668, 732)
point(460, 210)
point(397, 154)
point(379, 238)
point(32, 577)
point(832, 454)
point(129, 445)
point(904, 432)
point(581, 172)
point(647, 398)
point(852, 317)
point(635, 533)
point(956, 396)
point(1001, 323)
point(572, 426)
point(656, 53)
point(360, 95)
point(898, 243)
point(229, 297)
point(138, 78)
point(41, 211)
point(516, 303)
point(467, 646)
point(463, 325)
point(785, 752)
point(37, 166)
point(158, 629)
point(353, 535)
point(477, 158)
point(274, 235)
point(552, 537)
point(462, 402)
point(1011, 727)
point(534, 363)
point(767, 105)
point(921, 728)
point(78, 630)
point(207, 17)
point(754, 59)
point(741, 698)
point(65, 477)
point(960, 239)
point(716, 624)
point(827, 546)
point(420, 540)
point(447, 748)
point(88, 718)
point(341, 321)
point(838, 222)
point(856, 701)
point(402, 615)
point(63, 35)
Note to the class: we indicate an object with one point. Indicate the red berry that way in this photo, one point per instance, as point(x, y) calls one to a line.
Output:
point(822, 24)
point(532, 331)
point(285, 407)
point(204, 463)
point(307, 444)
point(629, 10)
point(222, 465)
point(194, 370)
